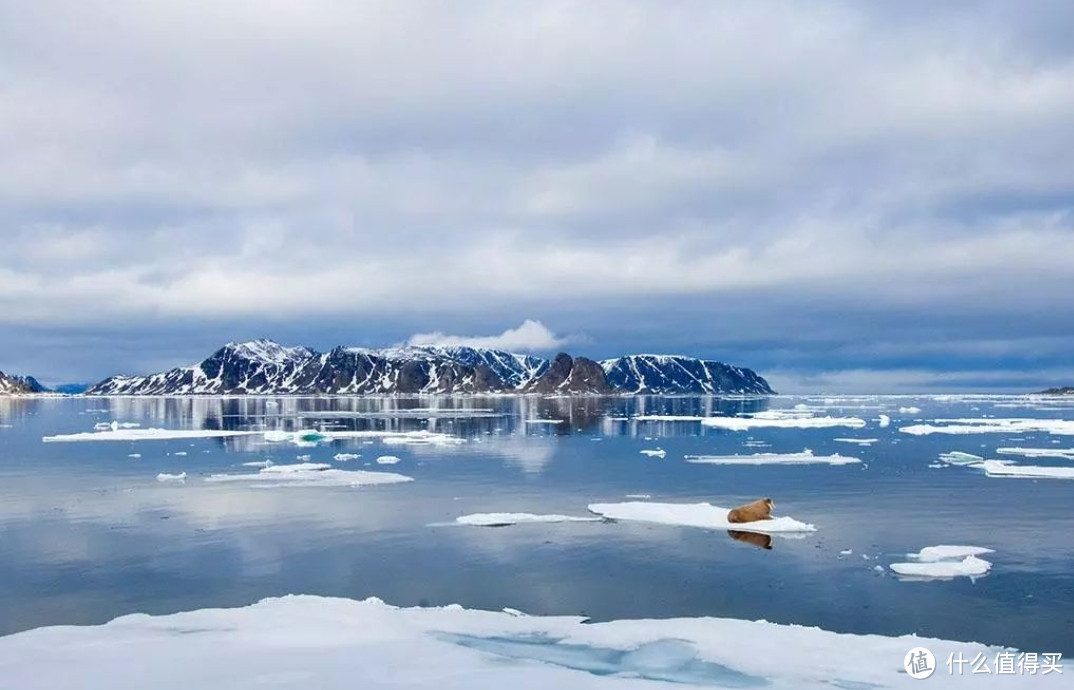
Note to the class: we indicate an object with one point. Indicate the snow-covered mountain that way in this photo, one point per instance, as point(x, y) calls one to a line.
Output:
point(676, 374)
point(19, 385)
point(265, 367)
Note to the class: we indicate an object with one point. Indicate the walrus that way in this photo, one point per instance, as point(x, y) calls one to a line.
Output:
point(761, 509)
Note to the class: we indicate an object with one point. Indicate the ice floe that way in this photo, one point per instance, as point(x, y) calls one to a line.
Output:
point(542, 421)
point(946, 552)
point(703, 515)
point(644, 497)
point(345, 457)
point(910, 410)
point(658, 453)
point(857, 441)
point(883, 420)
point(781, 419)
point(987, 425)
point(341, 644)
point(505, 519)
point(1005, 468)
point(145, 435)
point(945, 562)
point(387, 460)
point(309, 437)
point(1066, 453)
point(957, 457)
point(806, 457)
point(165, 477)
point(311, 474)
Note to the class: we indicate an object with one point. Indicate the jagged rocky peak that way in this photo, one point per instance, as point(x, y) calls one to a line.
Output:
point(19, 385)
point(265, 350)
point(676, 374)
point(568, 374)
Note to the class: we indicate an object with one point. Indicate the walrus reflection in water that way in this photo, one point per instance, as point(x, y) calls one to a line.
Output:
point(761, 541)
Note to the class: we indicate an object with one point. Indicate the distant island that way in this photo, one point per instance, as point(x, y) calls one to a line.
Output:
point(1062, 390)
point(263, 367)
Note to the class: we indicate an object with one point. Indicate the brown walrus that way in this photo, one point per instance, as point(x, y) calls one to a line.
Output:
point(761, 509)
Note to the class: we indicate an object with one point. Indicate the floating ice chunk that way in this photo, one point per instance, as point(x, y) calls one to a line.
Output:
point(135, 455)
point(299, 467)
point(258, 463)
point(164, 477)
point(332, 644)
point(846, 552)
point(311, 474)
point(542, 421)
point(644, 497)
point(658, 453)
point(883, 420)
point(387, 460)
point(310, 437)
point(970, 566)
point(781, 420)
point(946, 552)
point(1065, 453)
point(944, 562)
point(858, 441)
point(179, 453)
point(667, 418)
point(983, 425)
point(1005, 468)
point(910, 410)
point(505, 519)
point(693, 515)
point(344, 457)
point(115, 426)
point(806, 457)
point(957, 457)
point(145, 435)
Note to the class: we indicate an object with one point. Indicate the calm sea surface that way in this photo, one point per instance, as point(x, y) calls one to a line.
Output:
point(87, 533)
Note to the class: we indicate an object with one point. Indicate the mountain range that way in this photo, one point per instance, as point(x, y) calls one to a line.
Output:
point(263, 367)
point(19, 385)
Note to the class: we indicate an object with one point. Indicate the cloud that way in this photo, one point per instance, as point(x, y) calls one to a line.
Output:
point(530, 336)
point(175, 163)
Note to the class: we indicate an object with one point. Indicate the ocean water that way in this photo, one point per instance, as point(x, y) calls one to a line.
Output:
point(87, 533)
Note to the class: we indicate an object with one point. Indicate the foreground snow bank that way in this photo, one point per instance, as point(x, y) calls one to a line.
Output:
point(340, 644)
point(694, 515)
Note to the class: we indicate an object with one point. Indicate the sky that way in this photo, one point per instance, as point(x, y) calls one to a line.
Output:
point(844, 196)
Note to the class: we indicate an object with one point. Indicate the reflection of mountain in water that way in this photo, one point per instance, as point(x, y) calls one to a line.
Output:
point(521, 429)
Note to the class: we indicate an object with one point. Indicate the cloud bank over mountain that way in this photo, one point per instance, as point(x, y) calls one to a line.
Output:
point(780, 184)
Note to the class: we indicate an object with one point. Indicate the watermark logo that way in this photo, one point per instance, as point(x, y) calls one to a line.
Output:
point(919, 663)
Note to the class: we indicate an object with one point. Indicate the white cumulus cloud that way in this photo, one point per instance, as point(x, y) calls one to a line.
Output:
point(531, 335)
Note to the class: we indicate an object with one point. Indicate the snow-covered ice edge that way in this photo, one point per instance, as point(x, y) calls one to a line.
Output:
point(337, 644)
